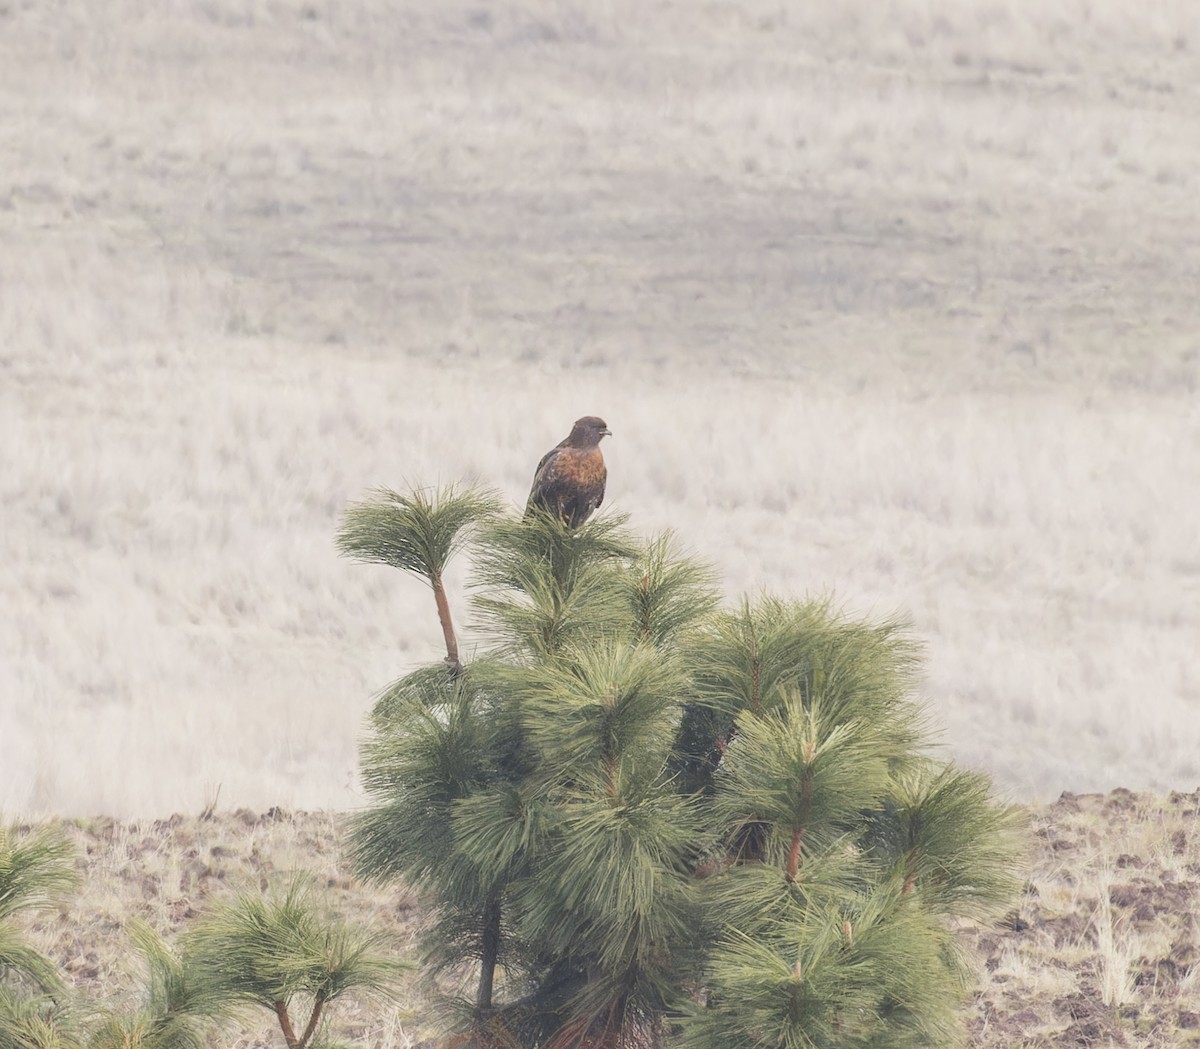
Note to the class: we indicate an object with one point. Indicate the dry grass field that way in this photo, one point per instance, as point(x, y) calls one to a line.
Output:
point(896, 301)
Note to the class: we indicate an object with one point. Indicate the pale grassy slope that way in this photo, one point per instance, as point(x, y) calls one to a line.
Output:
point(900, 305)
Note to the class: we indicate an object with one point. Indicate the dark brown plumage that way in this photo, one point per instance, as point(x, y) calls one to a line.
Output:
point(570, 478)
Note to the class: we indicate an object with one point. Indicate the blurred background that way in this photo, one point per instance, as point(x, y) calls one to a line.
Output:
point(891, 302)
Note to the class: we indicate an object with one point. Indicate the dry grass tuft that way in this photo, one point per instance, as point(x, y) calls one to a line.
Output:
point(1105, 949)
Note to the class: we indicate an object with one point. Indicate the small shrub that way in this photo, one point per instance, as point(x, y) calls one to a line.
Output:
point(284, 952)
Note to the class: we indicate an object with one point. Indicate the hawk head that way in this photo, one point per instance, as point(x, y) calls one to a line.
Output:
point(587, 432)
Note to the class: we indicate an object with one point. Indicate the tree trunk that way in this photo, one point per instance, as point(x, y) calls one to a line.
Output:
point(443, 608)
point(793, 864)
point(285, 1025)
point(489, 954)
point(910, 872)
point(755, 671)
point(793, 860)
point(313, 1020)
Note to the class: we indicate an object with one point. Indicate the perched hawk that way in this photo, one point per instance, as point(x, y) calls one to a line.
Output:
point(570, 478)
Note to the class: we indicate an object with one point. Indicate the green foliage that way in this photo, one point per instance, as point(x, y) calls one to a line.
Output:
point(35, 1022)
point(544, 586)
point(754, 658)
point(635, 801)
point(800, 775)
point(272, 949)
point(669, 592)
point(416, 533)
point(876, 972)
point(37, 870)
point(601, 716)
point(21, 963)
point(180, 1007)
point(949, 841)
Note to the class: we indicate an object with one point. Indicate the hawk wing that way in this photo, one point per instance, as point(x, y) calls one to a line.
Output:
point(569, 483)
point(543, 477)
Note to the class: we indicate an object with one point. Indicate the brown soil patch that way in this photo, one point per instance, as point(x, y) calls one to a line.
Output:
point(1103, 950)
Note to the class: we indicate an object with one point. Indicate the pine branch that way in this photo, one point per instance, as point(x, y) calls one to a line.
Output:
point(670, 593)
point(37, 869)
point(951, 843)
point(268, 949)
point(544, 585)
point(40, 1022)
point(417, 533)
point(443, 611)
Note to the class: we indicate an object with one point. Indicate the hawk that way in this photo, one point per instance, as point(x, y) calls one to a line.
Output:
point(570, 478)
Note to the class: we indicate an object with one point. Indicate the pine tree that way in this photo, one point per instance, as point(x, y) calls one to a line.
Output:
point(643, 820)
point(37, 871)
point(180, 1007)
point(285, 952)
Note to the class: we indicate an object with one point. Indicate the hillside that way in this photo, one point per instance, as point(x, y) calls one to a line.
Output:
point(1102, 951)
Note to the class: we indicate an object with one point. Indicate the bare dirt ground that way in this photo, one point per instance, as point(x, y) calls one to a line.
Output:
point(894, 300)
point(1103, 951)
